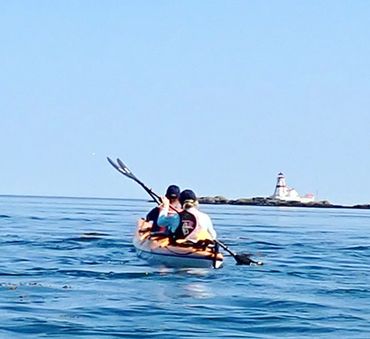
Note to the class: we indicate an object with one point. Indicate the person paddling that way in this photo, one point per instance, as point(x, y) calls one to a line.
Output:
point(190, 224)
point(172, 196)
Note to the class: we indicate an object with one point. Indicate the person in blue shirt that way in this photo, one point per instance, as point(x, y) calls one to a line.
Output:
point(172, 196)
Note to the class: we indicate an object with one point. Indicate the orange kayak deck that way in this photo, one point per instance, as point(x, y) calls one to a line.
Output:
point(157, 250)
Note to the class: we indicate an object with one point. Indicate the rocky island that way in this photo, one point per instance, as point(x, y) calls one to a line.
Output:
point(282, 196)
point(262, 201)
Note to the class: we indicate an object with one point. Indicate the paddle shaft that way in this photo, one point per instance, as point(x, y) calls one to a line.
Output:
point(225, 247)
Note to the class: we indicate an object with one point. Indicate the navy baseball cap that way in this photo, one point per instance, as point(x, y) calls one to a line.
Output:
point(173, 192)
point(187, 195)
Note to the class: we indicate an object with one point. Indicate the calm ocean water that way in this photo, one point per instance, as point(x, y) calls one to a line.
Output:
point(68, 269)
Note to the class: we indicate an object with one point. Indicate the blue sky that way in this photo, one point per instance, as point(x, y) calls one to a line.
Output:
point(217, 96)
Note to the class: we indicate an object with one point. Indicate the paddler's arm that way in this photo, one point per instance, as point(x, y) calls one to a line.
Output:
point(171, 222)
point(208, 223)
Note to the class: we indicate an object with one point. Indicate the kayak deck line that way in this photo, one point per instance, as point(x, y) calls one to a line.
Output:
point(176, 255)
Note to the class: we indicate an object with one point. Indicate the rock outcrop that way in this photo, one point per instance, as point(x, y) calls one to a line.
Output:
point(261, 201)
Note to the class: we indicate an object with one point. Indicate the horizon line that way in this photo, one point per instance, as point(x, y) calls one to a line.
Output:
point(64, 197)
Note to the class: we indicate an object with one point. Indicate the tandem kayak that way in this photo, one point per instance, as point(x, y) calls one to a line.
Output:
point(157, 250)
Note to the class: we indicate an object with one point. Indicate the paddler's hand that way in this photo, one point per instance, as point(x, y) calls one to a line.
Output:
point(165, 203)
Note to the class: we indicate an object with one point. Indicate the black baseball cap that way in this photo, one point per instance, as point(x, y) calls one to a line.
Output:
point(187, 195)
point(173, 192)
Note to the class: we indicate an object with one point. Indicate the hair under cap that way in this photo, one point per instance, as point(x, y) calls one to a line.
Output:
point(187, 195)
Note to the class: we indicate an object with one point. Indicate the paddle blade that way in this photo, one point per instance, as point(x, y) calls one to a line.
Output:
point(124, 167)
point(244, 259)
point(119, 169)
point(113, 163)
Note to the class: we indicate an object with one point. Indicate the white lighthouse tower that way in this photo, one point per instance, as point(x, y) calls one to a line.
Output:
point(281, 189)
point(283, 192)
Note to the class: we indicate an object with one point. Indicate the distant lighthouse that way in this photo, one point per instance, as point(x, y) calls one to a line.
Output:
point(281, 188)
point(283, 192)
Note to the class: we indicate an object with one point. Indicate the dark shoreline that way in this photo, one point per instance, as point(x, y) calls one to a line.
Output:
point(259, 201)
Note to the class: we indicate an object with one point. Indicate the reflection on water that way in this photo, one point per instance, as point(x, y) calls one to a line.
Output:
point(199, 291)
